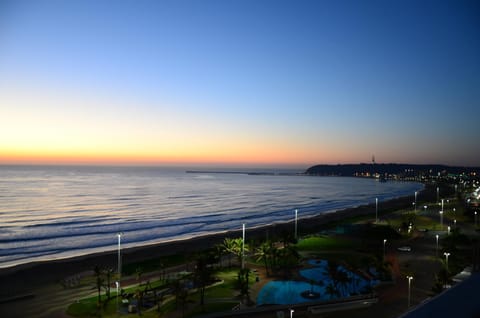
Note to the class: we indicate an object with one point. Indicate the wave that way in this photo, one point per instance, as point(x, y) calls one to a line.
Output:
point(74, 214)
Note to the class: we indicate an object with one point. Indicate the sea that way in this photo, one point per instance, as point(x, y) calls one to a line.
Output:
point(53, 212)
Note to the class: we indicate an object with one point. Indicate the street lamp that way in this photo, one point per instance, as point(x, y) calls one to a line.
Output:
point(384, 241)
point(438, 192)
point(409, 289)
point(475, 218)
point(415, 201)
point(291, 313)
point(436, 250)
point(118, 286)
point(376, 210)
point(425, 207)
point(455, 224)
point(296, 220)
point(442, 204)
point(448, 230)
point(119, 262)
point(446, 259)
point(441, 220)
point(243, 245)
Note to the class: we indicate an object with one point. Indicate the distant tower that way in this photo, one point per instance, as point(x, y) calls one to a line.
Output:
point(373, 165)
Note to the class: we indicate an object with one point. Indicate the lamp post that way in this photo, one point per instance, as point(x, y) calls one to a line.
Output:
point(291, 313)
point(118, 286)
point(384, 242)
point(441, 220)
point(438, 194)
point(455, 224)
point(442, 204)
point(243, 245)
point(448, 230)
point(409, 289)
point(119, 262)
point(475, 218)
point(296, 220)
point(376, 210)
point(425, 207)
point(446, 259)
point(436, 250)
point(415, 201)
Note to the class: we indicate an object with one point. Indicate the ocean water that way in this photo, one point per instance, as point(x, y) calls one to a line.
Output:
point(49, 212)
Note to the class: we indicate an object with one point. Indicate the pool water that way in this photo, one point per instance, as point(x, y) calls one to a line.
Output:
point(289, 292)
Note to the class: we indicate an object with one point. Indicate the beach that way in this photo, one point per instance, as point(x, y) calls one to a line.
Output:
point(23, 279)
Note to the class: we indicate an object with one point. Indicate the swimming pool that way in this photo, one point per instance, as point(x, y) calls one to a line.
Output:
point(289, 292)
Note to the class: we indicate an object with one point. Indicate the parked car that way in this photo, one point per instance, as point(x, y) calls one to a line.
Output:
point(405, 248)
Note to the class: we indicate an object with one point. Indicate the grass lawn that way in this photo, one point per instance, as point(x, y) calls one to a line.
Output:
point(321, 243)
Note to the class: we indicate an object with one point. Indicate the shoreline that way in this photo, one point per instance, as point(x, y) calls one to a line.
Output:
point(37, 273)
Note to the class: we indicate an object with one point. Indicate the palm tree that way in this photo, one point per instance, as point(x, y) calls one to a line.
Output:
point(238, 244)
point(289, 259)
point(108, 274)
point(202, 277)
point(243, 283)
point(99, 282)
point(264, 253)
point(228, 248)
point(219, 250)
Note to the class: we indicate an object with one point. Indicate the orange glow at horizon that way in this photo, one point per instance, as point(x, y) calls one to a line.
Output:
point(241, 156)
point(68, 129)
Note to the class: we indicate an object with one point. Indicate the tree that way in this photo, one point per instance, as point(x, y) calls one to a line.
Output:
point(219, 250)
point(264, 253)
point(203, 276)
point(234, 247)
point(289, 259)
point(99, 282)
point(243, 283)
point(108, 274)
point(228, 248)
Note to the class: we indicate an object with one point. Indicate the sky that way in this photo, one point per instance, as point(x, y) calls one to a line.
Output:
point(243, 83)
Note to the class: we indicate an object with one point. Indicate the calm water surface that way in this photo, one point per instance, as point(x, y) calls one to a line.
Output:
point(54, 212)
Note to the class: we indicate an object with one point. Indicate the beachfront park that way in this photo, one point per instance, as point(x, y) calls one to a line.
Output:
point(380, 263)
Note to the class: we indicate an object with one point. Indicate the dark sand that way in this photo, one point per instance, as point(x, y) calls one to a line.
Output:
point(20, 280)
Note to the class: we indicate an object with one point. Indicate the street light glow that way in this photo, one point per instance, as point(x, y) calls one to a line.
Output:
point(446, 259)
point(441, 220)
point(384, 241)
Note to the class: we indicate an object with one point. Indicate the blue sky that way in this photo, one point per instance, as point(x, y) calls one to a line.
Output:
point(240, 82)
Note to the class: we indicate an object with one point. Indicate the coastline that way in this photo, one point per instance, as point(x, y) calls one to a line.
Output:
point(21, 278)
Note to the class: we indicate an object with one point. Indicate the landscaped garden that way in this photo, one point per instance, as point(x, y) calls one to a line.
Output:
point(343, 260)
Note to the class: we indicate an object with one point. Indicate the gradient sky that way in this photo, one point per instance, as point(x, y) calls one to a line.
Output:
point(239, 82)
